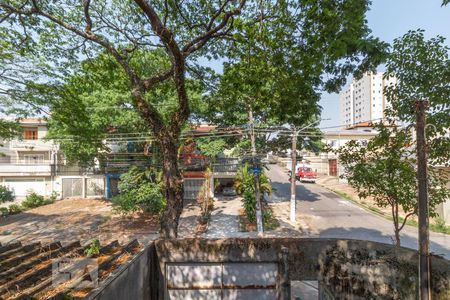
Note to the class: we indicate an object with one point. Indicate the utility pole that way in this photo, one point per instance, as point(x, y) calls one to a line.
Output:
point(422, 177)
point(256, 173)
point(293, 173)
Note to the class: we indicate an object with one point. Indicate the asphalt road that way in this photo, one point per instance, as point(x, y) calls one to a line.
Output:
point(331, 216)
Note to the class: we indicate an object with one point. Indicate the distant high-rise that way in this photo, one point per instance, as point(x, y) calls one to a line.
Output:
point(363, 100)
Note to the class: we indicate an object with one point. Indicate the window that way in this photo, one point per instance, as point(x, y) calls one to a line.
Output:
point(30, 134)
point(33, 158)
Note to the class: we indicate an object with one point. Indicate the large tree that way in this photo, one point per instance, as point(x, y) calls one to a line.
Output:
point(385, 170)
point(44, 41)
point(422, 71)
point(60, 34)
point(288, 55)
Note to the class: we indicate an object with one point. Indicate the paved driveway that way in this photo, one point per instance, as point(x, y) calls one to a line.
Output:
point(329, 215)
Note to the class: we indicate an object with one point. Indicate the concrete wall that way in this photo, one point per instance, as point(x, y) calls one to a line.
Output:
point(130, 281)
point(311, 259)
point(344, 267)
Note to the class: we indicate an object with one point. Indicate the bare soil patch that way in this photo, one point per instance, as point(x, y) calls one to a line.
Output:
point(77, 219)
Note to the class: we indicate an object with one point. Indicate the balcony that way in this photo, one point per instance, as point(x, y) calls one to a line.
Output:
point(43, 168)
point(30, 144)
point(226, 167)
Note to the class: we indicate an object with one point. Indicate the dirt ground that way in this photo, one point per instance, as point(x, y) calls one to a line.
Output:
point(69, 220)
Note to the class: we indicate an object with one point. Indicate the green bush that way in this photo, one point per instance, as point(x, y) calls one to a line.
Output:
point(245, 186)
point(93, 248)
point(249, 202)
point(52, 198)
point(139, 190)
point(6, 194)
point(4, 211)
point(33, 200)
point(124, 203)
point(15, 209)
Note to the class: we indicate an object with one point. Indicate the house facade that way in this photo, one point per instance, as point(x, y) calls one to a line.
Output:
point(27, 164)
point(30, 163)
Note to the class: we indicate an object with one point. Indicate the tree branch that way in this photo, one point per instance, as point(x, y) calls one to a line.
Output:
point(87, 17)
point(178, 66)
point(147, 111)
point(406, 217)
point(201, 40)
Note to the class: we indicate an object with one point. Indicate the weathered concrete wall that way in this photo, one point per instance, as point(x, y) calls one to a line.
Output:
point(383, 270)
point(361, 268)
point(130, 281)
point(350, 271)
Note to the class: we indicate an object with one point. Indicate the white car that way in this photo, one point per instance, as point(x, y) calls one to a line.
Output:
point(229, 191)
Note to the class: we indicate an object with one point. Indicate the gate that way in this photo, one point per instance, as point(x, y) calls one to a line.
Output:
point(222, 280)
point(72, 187)
point(332, 167)
point(192, 187)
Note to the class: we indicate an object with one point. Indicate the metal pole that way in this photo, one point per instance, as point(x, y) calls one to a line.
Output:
point(424, 259)
point(259, 220)
point(293, 173)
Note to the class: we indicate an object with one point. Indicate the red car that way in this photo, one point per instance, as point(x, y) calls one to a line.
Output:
point(306, 174)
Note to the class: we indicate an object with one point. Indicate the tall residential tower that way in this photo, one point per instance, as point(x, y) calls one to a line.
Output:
point(363, 100)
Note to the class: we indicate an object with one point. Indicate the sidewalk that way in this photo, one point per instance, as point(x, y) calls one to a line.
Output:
point(225, 222)
point(224, 219)
point(187, 226)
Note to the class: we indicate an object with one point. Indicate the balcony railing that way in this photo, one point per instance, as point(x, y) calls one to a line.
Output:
point(27, 144)
point(25, 168)
point(226, 165)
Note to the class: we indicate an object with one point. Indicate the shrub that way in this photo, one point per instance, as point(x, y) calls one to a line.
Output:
point(93, 248)
point(124, 204)
point(4, 211)
point(6, 194)
point(52, 198)
point(15, 209)
point(249, 202)
point(33, 200)
point(139, 190)
point(245, 185)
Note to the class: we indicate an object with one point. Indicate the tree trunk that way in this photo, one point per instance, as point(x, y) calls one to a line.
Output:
point(173, 185)
point(395, 217)
point(397, 237)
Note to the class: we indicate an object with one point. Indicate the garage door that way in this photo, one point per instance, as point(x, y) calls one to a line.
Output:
point(22, 187)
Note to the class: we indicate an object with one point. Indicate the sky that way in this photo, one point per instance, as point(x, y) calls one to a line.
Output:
point(388, 20)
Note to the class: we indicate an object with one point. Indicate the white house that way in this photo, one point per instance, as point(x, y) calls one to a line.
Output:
point(30, 163)
point(26, 162)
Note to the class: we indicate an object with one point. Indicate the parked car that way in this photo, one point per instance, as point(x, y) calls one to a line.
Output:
point(304, 174)
point(229, 191)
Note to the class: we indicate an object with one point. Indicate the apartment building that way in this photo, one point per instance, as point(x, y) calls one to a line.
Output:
point(26, 162)
point(364, 99)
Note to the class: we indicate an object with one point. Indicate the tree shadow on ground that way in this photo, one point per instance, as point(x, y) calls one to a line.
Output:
point(282, 191)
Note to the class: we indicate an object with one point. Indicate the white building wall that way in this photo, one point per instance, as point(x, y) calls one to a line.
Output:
point(364, 100)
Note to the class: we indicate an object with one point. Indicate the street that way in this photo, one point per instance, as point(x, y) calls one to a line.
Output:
point(330, 216)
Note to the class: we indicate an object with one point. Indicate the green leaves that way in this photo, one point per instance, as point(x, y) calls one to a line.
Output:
point(9, 129)
point(139, 190)
point(422, 70)
point(385, 170)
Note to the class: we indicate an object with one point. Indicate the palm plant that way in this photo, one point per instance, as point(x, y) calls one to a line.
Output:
point(245, 186)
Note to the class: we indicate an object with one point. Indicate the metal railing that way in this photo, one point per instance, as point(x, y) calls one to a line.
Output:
point(226, 165)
